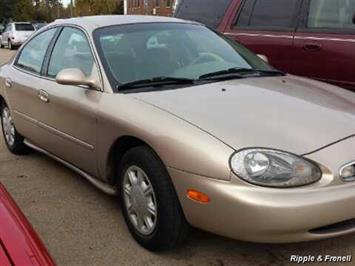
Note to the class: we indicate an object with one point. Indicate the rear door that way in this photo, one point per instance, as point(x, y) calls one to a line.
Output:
point(22, 81)
point(325, 42)
point(267, 27)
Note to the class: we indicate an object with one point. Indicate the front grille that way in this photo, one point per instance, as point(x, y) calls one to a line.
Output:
point(335, 228)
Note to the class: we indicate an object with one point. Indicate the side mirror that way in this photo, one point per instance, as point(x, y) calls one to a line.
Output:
point(263, 57)
point(354, 18)
point(76, 77)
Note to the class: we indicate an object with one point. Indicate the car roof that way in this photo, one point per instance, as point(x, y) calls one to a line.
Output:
point(93, 22)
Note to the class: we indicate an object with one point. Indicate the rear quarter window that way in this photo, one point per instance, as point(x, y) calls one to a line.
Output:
point(208, 12)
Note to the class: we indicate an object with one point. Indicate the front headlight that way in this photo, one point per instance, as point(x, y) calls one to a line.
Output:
point(273, 168)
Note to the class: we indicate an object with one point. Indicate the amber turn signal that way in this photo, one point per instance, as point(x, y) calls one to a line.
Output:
point(197, 196)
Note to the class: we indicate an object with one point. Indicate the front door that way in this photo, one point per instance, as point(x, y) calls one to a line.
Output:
point(68, 113)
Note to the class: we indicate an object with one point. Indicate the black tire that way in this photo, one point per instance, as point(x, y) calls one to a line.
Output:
point(18, 147)
point(171, 226)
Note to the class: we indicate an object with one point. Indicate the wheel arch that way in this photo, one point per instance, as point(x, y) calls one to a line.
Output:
point(2, 100)
point(117, 151)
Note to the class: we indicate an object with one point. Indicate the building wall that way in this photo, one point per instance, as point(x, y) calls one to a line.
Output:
point(150, 7)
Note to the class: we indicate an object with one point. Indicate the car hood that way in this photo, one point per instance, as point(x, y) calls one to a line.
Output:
point(288, 112)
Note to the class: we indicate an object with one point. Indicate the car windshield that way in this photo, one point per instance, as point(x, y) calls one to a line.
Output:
point(24, 27)
point(137, 52)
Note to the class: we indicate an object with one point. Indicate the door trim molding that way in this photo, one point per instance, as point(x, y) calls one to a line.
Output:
point(56, 131)
point(305, 37)
point(259, 35)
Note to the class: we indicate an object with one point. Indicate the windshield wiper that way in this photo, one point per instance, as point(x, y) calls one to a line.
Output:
point(239, 73)
point(155, 82)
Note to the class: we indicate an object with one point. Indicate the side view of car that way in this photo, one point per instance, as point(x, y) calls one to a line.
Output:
point(311, 38)
point(185, 127)
point(15, 34)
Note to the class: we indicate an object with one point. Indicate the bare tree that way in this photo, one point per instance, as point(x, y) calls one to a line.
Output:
point(48, 10)
point(71, 8)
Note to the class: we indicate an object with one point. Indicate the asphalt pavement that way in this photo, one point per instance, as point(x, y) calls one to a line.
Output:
point(82, 226)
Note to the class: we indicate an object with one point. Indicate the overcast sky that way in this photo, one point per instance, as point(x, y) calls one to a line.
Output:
point(65, 2)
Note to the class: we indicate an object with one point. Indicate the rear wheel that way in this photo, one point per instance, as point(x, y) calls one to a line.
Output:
point(14, 141)
point(149, 202)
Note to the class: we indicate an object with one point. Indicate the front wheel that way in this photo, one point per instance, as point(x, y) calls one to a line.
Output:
point(149, 202)
point(14, 141)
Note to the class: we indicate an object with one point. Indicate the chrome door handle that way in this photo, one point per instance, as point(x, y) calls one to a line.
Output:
point(8, 83)
point(43, 96)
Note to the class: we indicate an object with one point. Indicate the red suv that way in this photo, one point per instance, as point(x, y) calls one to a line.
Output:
point(313, 38)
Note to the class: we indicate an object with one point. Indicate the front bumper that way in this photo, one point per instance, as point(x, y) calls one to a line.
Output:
point(258, 214)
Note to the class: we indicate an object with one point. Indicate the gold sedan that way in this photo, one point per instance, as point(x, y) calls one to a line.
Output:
point(186, 127)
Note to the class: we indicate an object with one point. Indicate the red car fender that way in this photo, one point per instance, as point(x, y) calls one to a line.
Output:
point(19, 243)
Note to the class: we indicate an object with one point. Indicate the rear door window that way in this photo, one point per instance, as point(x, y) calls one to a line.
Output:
point(269, 14)
point(208, 12)
point(331, 14)
point(32, 55)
